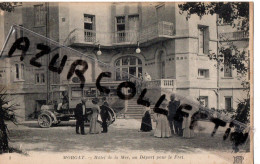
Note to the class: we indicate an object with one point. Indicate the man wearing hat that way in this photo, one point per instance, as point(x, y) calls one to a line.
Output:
point(172, 108)
point(104, 114)
point(79, 113)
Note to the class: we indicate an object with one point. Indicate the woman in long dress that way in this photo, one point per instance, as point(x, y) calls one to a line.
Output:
point(146, 125)
point(95, 127)
point(187, 131)
point(163, 129)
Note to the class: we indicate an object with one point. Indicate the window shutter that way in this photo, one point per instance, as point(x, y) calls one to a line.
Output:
point(206, 40)
point(94, 23)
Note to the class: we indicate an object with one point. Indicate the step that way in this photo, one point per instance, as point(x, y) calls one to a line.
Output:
point(139, 108)
point(135, 106)
point(133, 116)
point(135, 112)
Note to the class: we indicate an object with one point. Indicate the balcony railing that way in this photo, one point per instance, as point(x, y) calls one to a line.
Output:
point(238, 35)
point(90, 35)
point(154, 31)
point(159, 29)
point(80, 36)
point(161, 83)
point(126, 37)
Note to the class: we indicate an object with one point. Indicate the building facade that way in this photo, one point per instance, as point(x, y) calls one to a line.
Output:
point(174, 50)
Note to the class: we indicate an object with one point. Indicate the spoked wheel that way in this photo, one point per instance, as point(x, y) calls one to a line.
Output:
point(44, 120)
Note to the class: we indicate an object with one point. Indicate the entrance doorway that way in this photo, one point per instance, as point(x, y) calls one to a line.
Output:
point(161, 65)
point(39, 104)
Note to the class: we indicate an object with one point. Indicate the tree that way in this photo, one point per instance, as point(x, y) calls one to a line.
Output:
point(6, 6)
point(6, 113)
point(233, 13)
point(237, 15)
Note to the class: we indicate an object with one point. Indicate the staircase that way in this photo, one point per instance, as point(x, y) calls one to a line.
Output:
point(134, 111)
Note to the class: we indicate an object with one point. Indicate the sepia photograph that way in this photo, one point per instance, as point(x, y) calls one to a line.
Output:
point(126, 82)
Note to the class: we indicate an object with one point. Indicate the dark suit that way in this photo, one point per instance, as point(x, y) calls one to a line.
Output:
point(104, 116)
point(173, 106)
point(79, 118)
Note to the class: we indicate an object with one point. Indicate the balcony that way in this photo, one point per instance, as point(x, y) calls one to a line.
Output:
point(238, 35)
point(81, 37)
point(90, 35)
point(153, 33)
point(126, 37)
point(157, 32)
point(161, 83)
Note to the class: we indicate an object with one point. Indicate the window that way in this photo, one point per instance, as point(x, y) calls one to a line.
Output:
point(228, 103)
point(120, 28)
point(19, 71)
point(227, 70)
point(223, 21)
point(204, 100)
point(203, 39)
point(21, 31)
point(39, 15)
point(39, 78)
point(2, 75)
point(120, 20)
point(133, 26)
point(15, 4)
point(133, 22)
point(89, 28)
point(90, 92)
point(22, 70)
point(19, 34)
point(42, 78)
point(76, 93)
point(227, 67)
point(127, 66)
point(203, 73)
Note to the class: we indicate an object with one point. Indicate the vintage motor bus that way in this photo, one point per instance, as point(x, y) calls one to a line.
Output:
point(56, 110)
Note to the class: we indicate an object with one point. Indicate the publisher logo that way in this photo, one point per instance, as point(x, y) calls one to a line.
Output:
point(238, 159)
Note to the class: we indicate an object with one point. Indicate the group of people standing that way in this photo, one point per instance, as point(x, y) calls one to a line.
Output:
point(92, 110)
point(166, 126)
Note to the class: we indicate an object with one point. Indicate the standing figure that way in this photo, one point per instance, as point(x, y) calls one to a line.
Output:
point(163, 129)
point(79, 116)
point(146, 125)
point(65, 101)
point(188, 113)
point(104, 115)
point(94, 125)
point(172, 107)
point(147, 77)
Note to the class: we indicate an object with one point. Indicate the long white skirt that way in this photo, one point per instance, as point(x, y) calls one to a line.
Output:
point(162, 127)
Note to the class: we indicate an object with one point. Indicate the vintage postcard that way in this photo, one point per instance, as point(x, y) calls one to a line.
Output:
point(126, 82)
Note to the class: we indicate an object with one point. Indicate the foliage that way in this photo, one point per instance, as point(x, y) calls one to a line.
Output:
point(243, 111)
point(6, 6)
point(6, 113)
point(235, 14)
point(231, 55)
